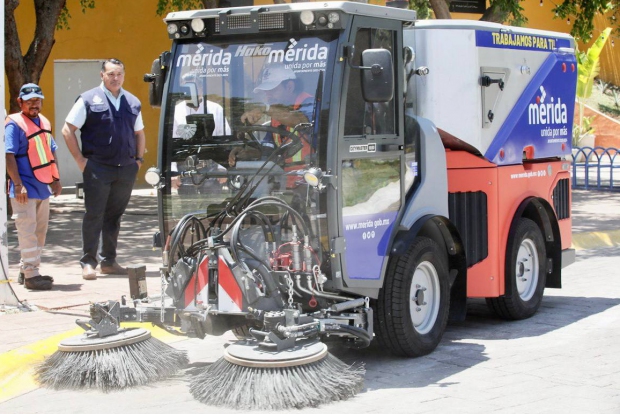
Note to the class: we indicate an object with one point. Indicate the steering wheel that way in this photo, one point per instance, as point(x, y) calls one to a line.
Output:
point(286, 150)
point(251, 129)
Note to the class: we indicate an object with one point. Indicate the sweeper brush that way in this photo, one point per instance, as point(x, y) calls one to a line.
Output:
point(248, 377)
point(107, 357)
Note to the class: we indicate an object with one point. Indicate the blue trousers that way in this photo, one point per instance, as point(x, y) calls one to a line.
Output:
point(107, 190)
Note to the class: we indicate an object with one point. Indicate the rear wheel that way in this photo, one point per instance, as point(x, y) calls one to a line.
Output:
point(413, 305)
point(526, 272)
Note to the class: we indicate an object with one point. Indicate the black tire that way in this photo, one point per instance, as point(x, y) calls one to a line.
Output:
point(414, 303)
point(243, 332)
point(526, 273)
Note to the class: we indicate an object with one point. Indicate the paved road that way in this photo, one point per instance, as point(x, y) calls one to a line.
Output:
point(566, 359)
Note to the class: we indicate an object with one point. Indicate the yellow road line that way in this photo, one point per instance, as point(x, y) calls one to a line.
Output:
point(596, 239)
point(17, 366)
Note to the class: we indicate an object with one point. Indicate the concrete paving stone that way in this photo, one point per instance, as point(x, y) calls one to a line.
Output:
point(515, 363)
point(588, 392)
point(451, 404)
point(26, 328)
point(610, 381)
point(571, 405)
point(465, 349)
point(401, 377)
point(457, 388)
point(486, 379)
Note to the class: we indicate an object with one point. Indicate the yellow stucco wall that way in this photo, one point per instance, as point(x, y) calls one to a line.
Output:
point(133, 33)
point(127, 30)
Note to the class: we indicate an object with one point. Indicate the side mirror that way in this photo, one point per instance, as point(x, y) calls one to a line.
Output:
point(377, 75)
point(157, 78)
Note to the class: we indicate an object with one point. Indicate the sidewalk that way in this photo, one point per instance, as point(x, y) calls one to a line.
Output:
point(596, 224)
point(57, 309)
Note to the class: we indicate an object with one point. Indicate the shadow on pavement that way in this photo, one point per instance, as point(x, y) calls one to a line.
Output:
point(454, 355)
point(595, 211)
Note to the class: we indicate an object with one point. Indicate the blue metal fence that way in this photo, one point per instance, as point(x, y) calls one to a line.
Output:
point(594, 168)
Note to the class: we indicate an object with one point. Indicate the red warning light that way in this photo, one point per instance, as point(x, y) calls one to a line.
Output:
point(528, 152)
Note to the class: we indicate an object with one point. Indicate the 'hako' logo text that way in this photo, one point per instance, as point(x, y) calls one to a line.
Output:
point(547, 113)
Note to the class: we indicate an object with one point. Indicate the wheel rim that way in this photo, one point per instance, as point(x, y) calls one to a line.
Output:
point(424, 295)
point(526, 269)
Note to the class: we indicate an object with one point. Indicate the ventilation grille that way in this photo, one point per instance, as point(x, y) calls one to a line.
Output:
point(561, 196)
point(468, 212)
point(274, 21)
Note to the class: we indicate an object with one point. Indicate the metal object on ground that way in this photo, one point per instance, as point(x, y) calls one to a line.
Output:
point(249, 377)
point(79, 190)
point(137, 281)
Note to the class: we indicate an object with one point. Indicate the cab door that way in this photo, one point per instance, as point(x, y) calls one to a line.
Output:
point(370, 159)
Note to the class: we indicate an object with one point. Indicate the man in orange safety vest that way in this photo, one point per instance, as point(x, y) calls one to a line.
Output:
point(33, 173)
point(287, 106)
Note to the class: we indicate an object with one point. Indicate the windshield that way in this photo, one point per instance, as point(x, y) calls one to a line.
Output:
point(235, 109)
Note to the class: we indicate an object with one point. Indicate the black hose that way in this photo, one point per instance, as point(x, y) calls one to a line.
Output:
point(359, 333)
point(178, 234)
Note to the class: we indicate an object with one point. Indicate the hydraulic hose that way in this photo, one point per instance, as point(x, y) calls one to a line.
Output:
point(359, 333)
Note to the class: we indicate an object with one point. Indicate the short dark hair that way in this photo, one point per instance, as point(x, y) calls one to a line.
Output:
point(112, 61)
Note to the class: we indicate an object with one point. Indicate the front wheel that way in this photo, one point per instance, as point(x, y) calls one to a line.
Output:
point(413, 305)
point(526, 273)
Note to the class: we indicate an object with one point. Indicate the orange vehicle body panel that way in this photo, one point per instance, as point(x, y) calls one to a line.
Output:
point(506, 187)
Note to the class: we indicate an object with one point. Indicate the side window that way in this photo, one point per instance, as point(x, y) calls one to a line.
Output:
point(412, 143)
point(361, 117)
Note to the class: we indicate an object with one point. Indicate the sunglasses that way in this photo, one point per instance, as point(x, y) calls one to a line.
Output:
point(30, 89)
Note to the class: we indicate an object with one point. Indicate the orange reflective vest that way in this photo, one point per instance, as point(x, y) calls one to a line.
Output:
point(296, 161)
point(306, 150)
point(39, 153)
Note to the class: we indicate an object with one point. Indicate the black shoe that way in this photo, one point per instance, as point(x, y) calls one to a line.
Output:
point(39, 283)
point(20, 278)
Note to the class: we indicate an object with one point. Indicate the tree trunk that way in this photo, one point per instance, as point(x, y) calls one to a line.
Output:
point(441, 8)
point(494, 14)
point(23, 69)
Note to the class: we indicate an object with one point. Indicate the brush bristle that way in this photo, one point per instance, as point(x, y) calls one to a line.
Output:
point(225, 384)
point(113, 368)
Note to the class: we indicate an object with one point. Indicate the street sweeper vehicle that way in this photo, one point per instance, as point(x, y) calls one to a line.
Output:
point(342, 171)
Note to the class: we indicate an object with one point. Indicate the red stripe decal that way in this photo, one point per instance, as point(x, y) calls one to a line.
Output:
point(197, 283)
point(228, 283)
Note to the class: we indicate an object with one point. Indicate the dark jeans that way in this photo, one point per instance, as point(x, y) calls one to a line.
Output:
point(107, 190)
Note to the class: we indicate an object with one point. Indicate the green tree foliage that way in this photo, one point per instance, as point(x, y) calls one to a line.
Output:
point(20, 68)
point(165, 6)
point(63, 19)
point(582, 12)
